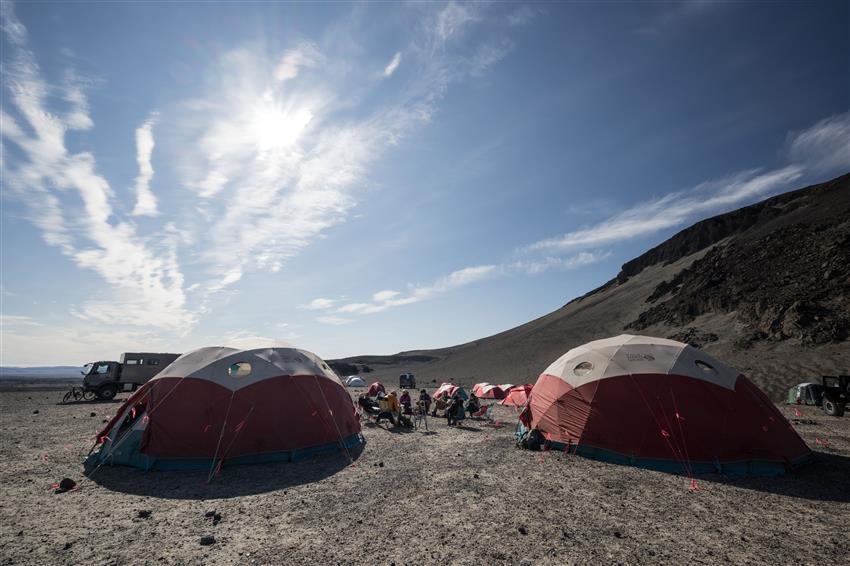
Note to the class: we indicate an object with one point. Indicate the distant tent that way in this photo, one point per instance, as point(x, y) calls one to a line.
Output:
point(217, 405)
point(376, 388)
point(517, 396)
point(488, 391)
point(506, 386)
point(805, 394)
point(354, 381)
point(664, 405)
point(447, 390)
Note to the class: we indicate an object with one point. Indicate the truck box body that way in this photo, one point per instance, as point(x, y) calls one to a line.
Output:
point(140, 367)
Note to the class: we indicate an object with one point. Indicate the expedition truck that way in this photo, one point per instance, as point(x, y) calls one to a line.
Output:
point(105, 379)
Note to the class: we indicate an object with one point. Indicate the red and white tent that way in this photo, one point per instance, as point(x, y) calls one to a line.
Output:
point(376, 388)
point(222, 404)
point(517, 396)
point(488, 391)
point(661, 404)
point(447, 390)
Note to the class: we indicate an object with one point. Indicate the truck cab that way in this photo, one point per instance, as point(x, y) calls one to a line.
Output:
point(133, 369)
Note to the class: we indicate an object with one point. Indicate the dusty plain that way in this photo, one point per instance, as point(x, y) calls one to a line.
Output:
point(461, 495)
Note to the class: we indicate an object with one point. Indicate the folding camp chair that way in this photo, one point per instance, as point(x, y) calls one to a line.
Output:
point(485, 412)
point(420, 415)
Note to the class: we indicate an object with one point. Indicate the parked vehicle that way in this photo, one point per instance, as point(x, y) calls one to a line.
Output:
point(407, 381)
point(105, 380)
point(836, 394)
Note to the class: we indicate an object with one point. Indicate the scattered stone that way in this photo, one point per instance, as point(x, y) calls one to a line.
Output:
point(67, 545)
point(210, 513)
point(216, 518)
point(105, 421)
point(207, 540)
point(92, 414)
point(522, 530)
point(20, 533)
point(475, 476)
point(66, 484)
point(144, 514)
point(35, 412)
point(380, 464)
point(618, 534)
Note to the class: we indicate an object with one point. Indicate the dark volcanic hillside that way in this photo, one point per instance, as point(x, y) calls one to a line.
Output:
point(766, 288)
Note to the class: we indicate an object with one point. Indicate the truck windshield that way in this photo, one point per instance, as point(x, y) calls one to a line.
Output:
point(101, 368)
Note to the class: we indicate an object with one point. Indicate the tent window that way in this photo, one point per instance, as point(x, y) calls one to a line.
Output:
point(153, 362)
point(239, 369)
point(705, 367)
point(583, 368)
point(132, 362)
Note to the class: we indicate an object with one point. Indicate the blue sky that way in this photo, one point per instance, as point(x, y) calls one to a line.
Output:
point(371, 178)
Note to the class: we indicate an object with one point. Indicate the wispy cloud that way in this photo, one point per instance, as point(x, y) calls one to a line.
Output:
point(453, 18)
point(383, 300)
point(670, 14)
point(319, 304)
point(523, 15)
point(145, 199)
point(7, 320)
point(541, 265)
point(824, 147)
point(674, 209)
point(393, 64)
point(305, 55)
point(334, 320)
point(143, 273)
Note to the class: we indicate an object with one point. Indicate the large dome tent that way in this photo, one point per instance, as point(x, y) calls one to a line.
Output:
point(661, 404)
point(223, 405)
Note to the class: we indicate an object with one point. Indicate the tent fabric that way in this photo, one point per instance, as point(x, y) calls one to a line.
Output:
point(517, 396)
point(447, 390)
point(805, 394)
point(488, 391)
point(506, 386)
point(661, 404)
point(376, 388)
point(354, 381)
point(217, 404)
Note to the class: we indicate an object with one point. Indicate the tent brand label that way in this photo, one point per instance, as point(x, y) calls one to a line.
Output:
point(640, 357)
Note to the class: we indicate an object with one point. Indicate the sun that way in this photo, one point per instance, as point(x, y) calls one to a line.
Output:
point(275, 128)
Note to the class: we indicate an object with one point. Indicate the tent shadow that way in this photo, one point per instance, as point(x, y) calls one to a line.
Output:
point(825, 478)
point(234, 481)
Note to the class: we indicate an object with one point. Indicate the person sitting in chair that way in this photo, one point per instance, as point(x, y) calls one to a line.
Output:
point(389, 409)
point(405, 402)
point(454, 412)
point(426, 399)
point(473, 406)
point(367, 405)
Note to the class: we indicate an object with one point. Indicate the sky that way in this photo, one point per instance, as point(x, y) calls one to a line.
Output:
point(369, 178)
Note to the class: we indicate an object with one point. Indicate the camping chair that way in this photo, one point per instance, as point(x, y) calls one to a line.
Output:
point(485, 412)
point(420, 415)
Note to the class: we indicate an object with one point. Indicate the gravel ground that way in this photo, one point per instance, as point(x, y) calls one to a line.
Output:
point(450, 495)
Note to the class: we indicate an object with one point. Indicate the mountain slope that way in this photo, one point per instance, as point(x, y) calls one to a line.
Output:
point(765, 288)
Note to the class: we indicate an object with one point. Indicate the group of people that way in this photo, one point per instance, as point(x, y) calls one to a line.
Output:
point(399, 409)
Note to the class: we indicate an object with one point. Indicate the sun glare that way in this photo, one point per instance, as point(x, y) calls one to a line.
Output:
point(273, 128)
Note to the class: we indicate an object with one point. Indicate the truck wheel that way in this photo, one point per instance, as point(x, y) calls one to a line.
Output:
point(107, 392)
point(832, 408)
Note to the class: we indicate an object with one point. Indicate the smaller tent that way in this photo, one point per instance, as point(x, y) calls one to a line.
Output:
point(488, 391)
point(354, 381)
point(376, 388)
point(517, 396)
point(805, 394)
point(447, 390)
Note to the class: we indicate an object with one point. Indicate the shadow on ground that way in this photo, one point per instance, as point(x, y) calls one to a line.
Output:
point(826, 478)
point(233, 481)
